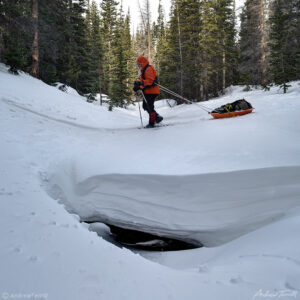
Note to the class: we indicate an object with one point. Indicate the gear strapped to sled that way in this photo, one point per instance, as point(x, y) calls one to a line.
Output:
point(236, 108)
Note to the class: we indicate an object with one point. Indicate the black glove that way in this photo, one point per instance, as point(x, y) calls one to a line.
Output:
point(137, 86)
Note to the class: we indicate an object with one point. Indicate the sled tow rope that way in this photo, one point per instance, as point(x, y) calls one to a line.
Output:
point(184, 99)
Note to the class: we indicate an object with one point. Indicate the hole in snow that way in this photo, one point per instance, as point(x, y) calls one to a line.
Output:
point(138, 239)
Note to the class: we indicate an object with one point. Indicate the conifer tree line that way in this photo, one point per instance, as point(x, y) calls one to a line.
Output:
point(270, 42)
point(198, 51)
point(75, 42)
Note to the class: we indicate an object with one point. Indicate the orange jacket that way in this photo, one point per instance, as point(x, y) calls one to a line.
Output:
point(149, 77)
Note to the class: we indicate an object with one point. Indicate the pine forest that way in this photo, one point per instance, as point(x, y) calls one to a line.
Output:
point(198, 50)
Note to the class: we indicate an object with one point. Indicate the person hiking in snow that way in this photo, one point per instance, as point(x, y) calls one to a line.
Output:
point(149, 86)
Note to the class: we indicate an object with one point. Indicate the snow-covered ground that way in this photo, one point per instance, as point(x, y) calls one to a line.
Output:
point(232, 184)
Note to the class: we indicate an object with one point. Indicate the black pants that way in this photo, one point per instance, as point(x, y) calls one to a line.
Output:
point(149, 106)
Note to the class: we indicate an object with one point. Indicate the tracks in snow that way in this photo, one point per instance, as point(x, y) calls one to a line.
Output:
point(86, 127)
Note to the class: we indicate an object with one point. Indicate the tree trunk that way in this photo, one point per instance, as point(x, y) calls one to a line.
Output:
point(101, 101)
point(100, 84)
point(201, 92)
point(263, 42)
point(180, 53)
point(69, 17)
point(148, 30)
point(35, 44)
point(205, 83)
point(224, 73)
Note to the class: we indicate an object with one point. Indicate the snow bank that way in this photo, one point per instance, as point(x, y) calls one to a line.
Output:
point(210, 208)
point(29, 94)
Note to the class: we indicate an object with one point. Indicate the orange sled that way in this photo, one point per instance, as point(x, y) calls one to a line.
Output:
point(231, 114)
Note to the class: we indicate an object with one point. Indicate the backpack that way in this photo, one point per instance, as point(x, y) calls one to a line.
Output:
point(155, 82)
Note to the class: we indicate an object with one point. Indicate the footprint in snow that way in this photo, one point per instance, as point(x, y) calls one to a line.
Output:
point(288, 286)
point(17, 250)
point(6, 193)
point(65, 225)
point(236, 280)
point(203, 269)
point(33, 258)
point(71, 118)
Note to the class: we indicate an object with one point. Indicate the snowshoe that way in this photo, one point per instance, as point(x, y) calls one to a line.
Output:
point(150, 125)
point(158, 118)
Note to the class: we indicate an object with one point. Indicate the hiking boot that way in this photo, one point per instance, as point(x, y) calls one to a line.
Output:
point(158, 118)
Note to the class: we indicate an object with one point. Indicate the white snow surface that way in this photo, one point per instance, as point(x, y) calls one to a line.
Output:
point(231, 184)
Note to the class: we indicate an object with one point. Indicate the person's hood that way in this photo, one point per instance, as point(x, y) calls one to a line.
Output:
point(143, 61)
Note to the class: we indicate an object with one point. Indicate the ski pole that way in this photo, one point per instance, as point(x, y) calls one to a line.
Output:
point(145, 99)
point(149, 110)
point(178, 96)
point(138, 99)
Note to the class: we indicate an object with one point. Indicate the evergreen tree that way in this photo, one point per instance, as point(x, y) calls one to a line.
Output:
point(130, 56)
point(282, 60)
point(159, 26)
point(52, 29)
point(170, 64)
point(189, 28)
point(292, 8)
point(96, 42)
point(199, 51)
point(297, 30)
point(2, 16)
point(118, 70)
point(82, 73)
point(16, 35)
point(144, 43)
point(140, 42)
point(211, 44)
point(109, 20)
point(146, 15)
point(180, 49)
point(252, 58)
point(159, 35)
point(226, 24)
point(65, 28)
